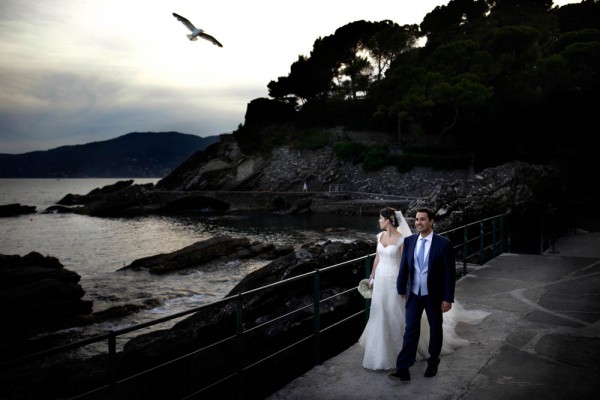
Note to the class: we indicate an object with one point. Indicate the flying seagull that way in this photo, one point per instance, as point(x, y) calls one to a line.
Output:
point(196, 31)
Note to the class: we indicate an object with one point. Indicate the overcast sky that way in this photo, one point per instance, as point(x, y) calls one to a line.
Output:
point(79, 71)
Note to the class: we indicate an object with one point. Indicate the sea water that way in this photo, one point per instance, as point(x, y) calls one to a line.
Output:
point(96, 248)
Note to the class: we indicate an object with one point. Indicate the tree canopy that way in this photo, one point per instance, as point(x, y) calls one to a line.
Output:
point(473, 72)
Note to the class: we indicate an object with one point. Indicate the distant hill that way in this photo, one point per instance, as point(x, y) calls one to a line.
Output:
point(134, 155)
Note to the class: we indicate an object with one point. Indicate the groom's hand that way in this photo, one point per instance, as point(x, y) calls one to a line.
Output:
point(446, 306)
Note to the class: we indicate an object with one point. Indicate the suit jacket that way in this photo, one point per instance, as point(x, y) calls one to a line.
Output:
point(441, 277)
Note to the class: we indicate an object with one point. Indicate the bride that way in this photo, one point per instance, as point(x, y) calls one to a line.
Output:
point(382, 336)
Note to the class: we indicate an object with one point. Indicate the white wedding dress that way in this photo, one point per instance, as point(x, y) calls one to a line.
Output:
point(382, 336)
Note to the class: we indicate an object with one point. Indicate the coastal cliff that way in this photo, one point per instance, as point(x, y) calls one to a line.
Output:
point(222, 178)
point(224, 166)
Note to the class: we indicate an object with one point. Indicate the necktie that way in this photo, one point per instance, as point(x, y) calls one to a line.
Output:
point(421, 255)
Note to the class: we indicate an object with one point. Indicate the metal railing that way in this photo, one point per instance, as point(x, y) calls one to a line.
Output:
point(251, 339)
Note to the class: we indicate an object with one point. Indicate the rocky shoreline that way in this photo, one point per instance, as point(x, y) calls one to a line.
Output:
point(204, 326)
point(14, 209)
point(518, 189)
point(515, 188)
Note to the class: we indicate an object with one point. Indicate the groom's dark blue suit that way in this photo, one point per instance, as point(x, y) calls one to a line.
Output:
point(440, 286)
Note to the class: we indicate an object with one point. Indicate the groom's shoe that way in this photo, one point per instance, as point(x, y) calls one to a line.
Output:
point(432, 367)
point(401, 374)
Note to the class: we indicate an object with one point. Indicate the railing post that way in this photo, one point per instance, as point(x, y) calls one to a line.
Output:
point(465, 249)
point(481, 242)
point(501, 234)
point(112, 360)
point(367, 267)
point(542, 234)
point(239, 324)
point(494, 238)
point(317, 317)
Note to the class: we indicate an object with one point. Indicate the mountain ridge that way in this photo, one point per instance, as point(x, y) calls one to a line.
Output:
point(135, 154)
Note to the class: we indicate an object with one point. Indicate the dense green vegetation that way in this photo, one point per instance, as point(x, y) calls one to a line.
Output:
point(495, 80)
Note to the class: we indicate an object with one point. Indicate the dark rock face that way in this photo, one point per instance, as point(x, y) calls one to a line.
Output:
point(94, 195)
point(521, 190)
point(224, 166)
point(119, 199)
point(11, 210)
point(220, 248)
point(215, 168)
point(223, 179)
point(36, 291)
point(215, 322)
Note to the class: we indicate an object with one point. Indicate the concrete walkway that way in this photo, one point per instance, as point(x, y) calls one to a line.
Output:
point(542, 340)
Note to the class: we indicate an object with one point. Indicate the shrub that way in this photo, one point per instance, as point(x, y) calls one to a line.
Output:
point(310, 139)
point(350, 151)
point(378, 157)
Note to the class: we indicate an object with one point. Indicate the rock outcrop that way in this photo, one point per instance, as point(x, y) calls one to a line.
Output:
point(14, 209)
point(219, 248)
point(217, 321)
point(122, 198)
point(521, 191)
point(514, 187)
point(35, 291)
point(224, 166)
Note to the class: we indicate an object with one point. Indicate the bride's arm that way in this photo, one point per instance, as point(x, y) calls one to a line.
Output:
point(372, 277)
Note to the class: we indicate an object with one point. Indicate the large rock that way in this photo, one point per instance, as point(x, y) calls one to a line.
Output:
point(219, 248)
point(222, 178)
point(214, 322)
point(119, 199)
point(217, 321)
point(95, 194)
point(11, 210)
point(36, 291)
point(224, 166)
point(518, 189)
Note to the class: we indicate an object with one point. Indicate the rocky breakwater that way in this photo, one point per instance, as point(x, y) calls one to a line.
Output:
point(14, 209)
point(36, 293)
point(216, 249)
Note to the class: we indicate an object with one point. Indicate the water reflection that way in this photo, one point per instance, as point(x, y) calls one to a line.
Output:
point(96, 248)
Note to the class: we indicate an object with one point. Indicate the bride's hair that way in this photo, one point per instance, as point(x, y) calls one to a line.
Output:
point(390, 213)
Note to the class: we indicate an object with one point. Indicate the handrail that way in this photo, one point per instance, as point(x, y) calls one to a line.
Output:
point(478, 241)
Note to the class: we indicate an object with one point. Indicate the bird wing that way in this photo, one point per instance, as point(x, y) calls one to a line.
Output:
point(185, 21)
point(210, 38)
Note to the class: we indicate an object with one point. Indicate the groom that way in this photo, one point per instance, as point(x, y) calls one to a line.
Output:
point(426, 280)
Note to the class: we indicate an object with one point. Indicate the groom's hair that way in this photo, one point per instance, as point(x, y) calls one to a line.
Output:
point(429, 211)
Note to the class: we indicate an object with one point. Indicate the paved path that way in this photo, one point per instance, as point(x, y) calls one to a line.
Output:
point(542, 340)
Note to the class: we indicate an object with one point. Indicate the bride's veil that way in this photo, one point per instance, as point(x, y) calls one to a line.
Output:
point(403, 227)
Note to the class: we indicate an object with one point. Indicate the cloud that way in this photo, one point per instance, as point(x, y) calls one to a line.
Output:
point(73, 71)
point(59, 108)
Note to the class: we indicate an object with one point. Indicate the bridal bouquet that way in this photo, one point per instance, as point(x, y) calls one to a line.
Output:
point(364, 289)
